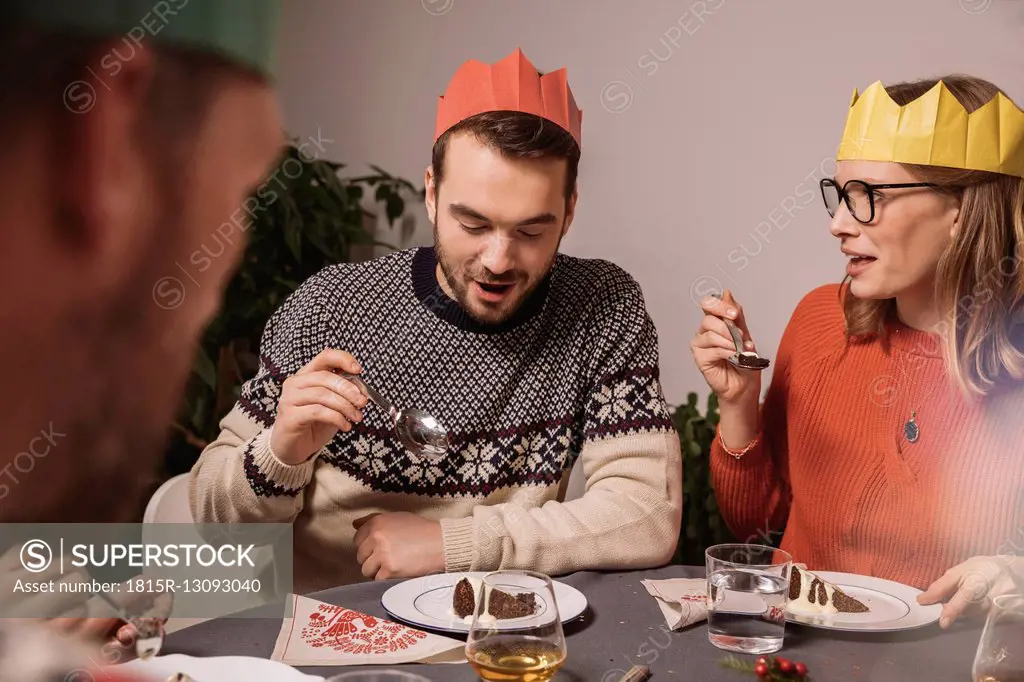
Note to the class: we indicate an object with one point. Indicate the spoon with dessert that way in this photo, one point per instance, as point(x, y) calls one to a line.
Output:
point(418, 431)
point(742, 359)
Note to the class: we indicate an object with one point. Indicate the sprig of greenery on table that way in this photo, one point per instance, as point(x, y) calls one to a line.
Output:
point(774, 674)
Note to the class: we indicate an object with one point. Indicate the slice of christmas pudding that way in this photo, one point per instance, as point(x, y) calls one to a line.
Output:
point(501, 605)
point(810, 594)
point(464, 598)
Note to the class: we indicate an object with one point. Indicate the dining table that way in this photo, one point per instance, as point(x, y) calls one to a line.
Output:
point(623, 627)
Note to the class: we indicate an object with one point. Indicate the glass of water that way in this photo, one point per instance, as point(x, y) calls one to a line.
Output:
point(748, 591)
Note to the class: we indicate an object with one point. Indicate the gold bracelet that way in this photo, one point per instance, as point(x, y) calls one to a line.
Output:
point(742, 452)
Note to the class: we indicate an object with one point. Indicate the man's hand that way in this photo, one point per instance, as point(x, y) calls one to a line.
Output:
point(971, 586)
point(315, 404)
point(114, 636)
point(398, 545)
point(99, 629)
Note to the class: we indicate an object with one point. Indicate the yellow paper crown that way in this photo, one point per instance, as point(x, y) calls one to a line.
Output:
point(935, 130)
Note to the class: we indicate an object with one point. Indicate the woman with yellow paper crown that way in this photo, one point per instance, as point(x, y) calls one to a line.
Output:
point(890, 442)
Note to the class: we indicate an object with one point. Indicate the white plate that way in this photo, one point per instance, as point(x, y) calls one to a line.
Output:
point(216, 669)
point(892, 606)
point(427, 602)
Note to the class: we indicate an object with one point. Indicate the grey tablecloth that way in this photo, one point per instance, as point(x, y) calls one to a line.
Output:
point(623, 627)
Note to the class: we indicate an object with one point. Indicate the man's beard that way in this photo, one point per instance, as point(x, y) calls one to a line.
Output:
point(111, 396)
point(117, 428)
point(455, 275)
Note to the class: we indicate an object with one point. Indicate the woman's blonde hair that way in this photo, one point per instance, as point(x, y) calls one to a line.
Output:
point(979, 281)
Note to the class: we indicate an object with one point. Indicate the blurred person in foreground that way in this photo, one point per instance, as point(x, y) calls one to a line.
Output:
point(132, 130)
point(532, 359)
point(890, 441)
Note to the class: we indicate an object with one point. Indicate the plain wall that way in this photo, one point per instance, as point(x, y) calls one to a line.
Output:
point(706, 125)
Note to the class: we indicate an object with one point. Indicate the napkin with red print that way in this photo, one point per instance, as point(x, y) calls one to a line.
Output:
point(324, 634)
point(683, 601)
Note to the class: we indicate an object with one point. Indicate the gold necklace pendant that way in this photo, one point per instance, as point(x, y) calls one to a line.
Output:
point(911, 430)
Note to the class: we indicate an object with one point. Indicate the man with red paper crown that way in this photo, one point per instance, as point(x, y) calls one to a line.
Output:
point(132, 129)
point(531, 359)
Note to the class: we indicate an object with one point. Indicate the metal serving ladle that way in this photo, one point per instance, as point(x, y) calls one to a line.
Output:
point(742, 359)
point(419, 432)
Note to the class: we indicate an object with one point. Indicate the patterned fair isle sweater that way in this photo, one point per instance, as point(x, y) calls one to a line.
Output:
point(574, 374)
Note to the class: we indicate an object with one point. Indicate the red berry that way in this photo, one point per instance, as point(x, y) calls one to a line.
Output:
point(801, 669)
point(785, 666)
point(762, 660)
point(761, 670)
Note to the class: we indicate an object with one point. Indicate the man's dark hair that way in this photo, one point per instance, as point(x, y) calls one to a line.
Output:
point(515, 135)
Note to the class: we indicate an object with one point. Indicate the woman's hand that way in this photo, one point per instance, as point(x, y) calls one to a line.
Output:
point(971, 586)
point(712, 346)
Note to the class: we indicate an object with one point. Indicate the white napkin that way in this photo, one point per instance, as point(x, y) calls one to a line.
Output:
point(324, 634)
point(683, 601)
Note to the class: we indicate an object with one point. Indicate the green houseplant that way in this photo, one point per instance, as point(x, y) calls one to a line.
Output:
point(304, 217)
point(702, 522)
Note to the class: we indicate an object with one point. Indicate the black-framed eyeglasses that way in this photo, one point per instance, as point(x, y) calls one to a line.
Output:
point(859, 196)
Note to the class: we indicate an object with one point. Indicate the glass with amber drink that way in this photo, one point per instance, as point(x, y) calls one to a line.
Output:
point(516, 634)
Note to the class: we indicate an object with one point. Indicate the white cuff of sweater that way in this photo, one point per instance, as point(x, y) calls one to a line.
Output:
point(288, 476)
point(458, 543)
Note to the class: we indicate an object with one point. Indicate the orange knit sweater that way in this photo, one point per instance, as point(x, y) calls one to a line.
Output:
point(833, 467)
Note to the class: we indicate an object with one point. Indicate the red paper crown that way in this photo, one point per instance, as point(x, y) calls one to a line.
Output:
point(513, 84)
